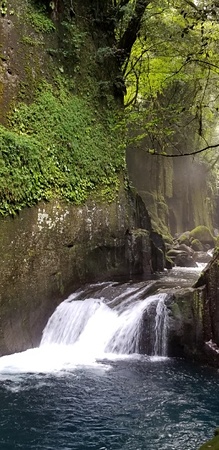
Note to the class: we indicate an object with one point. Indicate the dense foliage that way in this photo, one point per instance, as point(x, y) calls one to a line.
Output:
point(57, 147)
point(172, 77)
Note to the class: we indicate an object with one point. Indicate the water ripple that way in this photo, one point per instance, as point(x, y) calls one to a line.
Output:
point(138, 404)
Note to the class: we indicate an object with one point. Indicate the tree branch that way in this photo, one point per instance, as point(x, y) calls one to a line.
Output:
point(130, 34)
point(166, 155)
point(192, 5)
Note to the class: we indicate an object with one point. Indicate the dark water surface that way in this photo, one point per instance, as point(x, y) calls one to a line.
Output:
point(128, 404)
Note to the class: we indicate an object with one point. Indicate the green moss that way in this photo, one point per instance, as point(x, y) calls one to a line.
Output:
point(31, 41)
point(184, 238)
point(38, 18)
point(3, 7)
point(198, 303)
point(58, 147)
point(203, 234)
point(212, 444)
point(175, 310)
point(196, 245)
point(168, 239)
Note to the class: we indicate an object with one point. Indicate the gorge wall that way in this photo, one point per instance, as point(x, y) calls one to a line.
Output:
point(177, 192)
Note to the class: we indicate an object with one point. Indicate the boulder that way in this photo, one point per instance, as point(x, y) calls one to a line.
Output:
point(184, 238)
point(181, 258)
point(204, 235)
point(185, 325)
point(196, 245)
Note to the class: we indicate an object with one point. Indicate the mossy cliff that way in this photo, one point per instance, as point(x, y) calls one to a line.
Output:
point(58, 119)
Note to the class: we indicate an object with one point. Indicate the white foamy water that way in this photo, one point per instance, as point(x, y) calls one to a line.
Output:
point(161, 328)
point(84, 332)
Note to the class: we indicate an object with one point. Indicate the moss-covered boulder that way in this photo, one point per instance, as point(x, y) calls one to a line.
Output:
point(184, 238)
point(196, 245)
point(203, 234)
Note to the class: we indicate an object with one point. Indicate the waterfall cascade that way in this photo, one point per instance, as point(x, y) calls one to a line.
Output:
point(101, 322)
point(93, 326)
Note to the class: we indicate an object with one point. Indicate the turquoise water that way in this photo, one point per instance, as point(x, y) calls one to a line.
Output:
point(129, 404)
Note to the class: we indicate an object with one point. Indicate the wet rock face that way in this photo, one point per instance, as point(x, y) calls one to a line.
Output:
point(23, 60)
point(147, 341)
point(210, 280)
point(185, 326)
point(194, 318)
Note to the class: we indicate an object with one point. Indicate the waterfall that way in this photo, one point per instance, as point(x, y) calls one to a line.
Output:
point(161, 328)
point(95, 328)
point(117, 321)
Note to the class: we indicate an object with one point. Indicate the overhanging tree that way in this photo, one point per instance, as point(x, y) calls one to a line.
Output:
point(172, 77)
point(164, 56)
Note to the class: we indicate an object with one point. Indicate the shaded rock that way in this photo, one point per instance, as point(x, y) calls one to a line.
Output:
point(202, 257)
point(184, 260)
point(212, 353)
point(210, 279)
point(185, 326)
point(158, 251)
point(184, 238)
point(175, 252)
point(147, 341)
point(196, 245)
point(181, 258)
point(138, 253)
point(186, 249)
point(169, 262)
